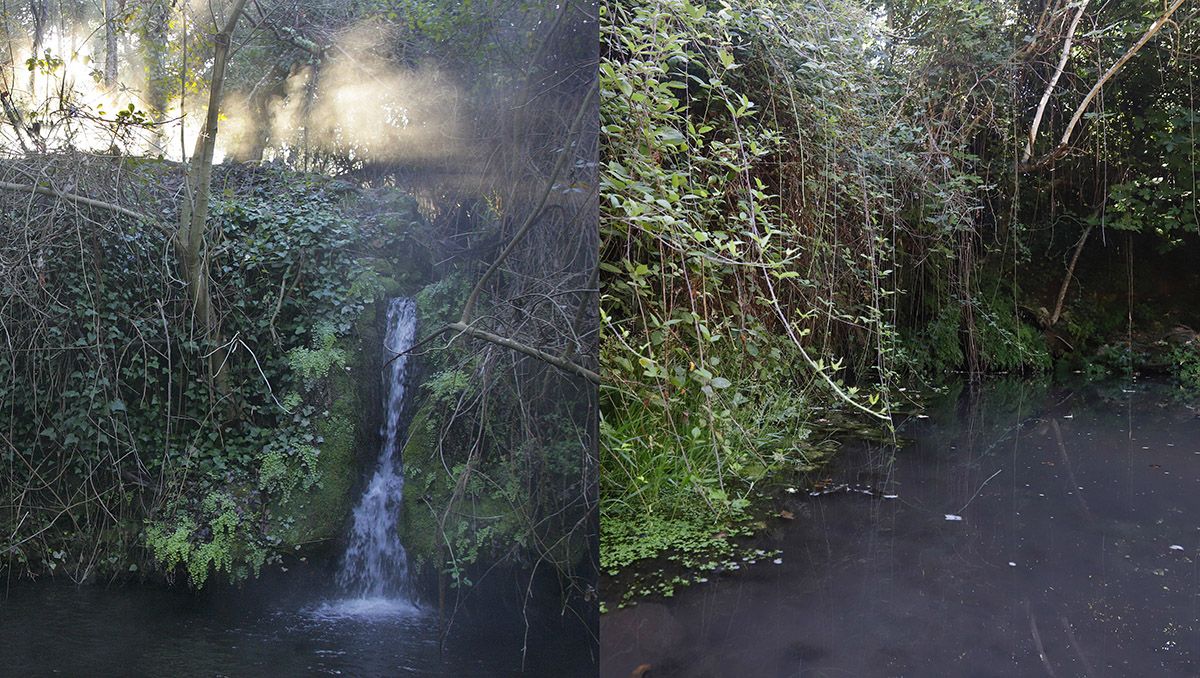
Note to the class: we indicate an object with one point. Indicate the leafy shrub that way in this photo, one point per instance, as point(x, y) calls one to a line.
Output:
point(1185, 364)
point(115, 392)
point(741, 183)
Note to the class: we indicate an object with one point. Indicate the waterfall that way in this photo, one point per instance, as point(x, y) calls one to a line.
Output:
point(375, 566)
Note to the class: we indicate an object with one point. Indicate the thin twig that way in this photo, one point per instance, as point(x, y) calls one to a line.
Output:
point(989, 479)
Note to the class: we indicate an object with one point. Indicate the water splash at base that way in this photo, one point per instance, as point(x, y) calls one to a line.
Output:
point(374, 572)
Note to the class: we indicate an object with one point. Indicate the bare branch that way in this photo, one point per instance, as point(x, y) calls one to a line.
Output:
point(1058, 71)
point(79, 199)
point(1063, 143)
point(554, 360)
point(533, 214)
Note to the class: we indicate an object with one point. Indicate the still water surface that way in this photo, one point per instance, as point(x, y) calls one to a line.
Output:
point(144, 631)
point(1079, 557)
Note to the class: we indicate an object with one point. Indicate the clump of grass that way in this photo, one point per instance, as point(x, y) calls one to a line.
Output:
point(681, 471)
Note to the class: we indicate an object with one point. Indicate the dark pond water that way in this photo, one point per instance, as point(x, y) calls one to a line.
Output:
point(1079, 557)
point(90, 631)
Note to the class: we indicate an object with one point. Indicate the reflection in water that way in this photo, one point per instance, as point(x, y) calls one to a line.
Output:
point(1076, 554)
point(146, 631)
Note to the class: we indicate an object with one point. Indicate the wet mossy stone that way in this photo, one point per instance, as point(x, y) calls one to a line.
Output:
point(319, 513)
point(422, 491)
point(484, 525)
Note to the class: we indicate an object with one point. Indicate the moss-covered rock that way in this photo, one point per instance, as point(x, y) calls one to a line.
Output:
point(422, 491)
point(346, 429)
point(482, 521)
point(490, 516)
point(349, 429)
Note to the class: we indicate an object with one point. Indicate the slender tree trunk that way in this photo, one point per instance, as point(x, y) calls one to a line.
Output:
point(194, 217)
point(1062, 290)
point(257, 135)
point(40, 11)
point(154, 51)
point(310, 95)
point(110, 43)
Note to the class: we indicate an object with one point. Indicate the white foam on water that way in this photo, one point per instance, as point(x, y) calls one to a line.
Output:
point(374, 608)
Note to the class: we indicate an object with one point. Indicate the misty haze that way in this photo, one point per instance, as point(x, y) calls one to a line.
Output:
point(298, 338)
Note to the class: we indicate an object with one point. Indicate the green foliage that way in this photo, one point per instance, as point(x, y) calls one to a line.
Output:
point(695, 546)
point(787, 184)
point(942, 341)
point(690, 535)
point(115, 391)
point(1184, 360)
point(747, 175)
point(172, 545)
point(313, 363)
point(232, 543)
point(1006, 343)
point(490, 519)
point(447, 386)
point(493, 455)
point(282, 468)
point(369, 285)
point(442, 301)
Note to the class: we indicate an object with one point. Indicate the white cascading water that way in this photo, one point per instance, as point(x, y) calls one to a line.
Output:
point(375, 567)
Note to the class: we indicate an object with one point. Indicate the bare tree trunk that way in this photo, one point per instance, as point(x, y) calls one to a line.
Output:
point(154, 48)
point(40, 11)
point(310, 95)
point(257, 134)
point(1058, 71)
point(193, 220)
